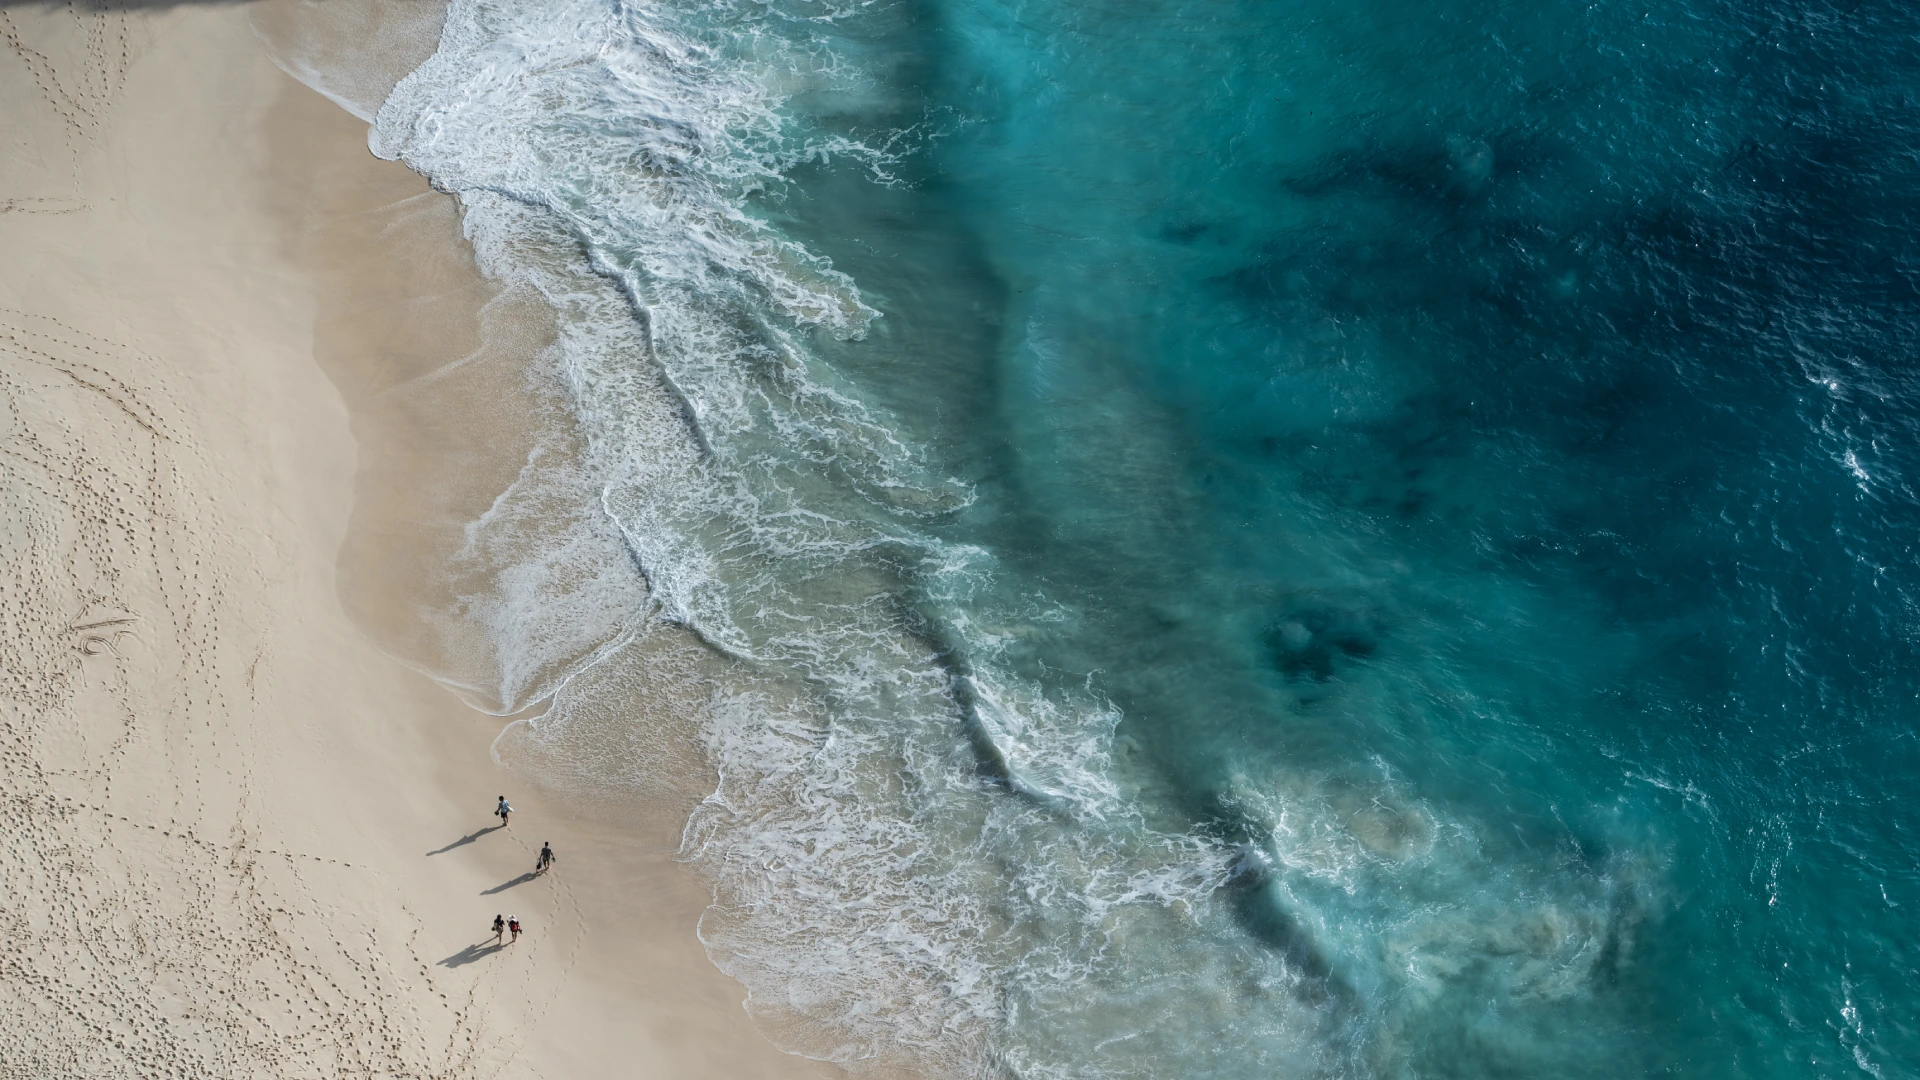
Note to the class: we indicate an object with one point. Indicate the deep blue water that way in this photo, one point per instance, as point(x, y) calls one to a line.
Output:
point(1519, 398)
point(1470, 446)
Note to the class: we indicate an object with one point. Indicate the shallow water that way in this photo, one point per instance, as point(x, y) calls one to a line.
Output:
point(1231, 539)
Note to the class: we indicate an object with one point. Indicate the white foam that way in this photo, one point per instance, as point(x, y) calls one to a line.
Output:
point(884, 898)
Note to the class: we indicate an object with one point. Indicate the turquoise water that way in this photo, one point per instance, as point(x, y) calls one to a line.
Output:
point(1356, 539)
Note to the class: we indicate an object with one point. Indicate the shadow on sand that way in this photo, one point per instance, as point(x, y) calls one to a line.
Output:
point(471, 953)
point(505, 885)
point(467, 839)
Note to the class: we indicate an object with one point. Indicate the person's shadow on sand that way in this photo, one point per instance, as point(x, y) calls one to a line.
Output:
point(467, 839)
point(505, 885)
point(471, 953)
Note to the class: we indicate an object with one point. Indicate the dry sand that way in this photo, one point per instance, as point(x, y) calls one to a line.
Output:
point(240, 840)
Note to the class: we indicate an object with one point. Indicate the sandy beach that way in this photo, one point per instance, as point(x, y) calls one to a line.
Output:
point(241, 839)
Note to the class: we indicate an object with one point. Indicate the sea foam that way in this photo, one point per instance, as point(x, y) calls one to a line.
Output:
point(862, 858)
point(923, 857)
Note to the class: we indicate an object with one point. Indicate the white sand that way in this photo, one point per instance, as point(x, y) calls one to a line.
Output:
point(234, 828)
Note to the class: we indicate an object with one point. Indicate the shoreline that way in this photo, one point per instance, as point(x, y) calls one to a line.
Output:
point(276, 833)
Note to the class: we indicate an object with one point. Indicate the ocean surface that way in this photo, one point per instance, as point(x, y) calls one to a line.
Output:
point(1213, 539)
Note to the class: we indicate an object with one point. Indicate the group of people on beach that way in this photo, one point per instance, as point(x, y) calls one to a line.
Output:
point(504, 925)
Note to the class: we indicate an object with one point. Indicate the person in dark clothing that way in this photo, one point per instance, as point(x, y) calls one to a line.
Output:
point(546, 859)
point(499, 930)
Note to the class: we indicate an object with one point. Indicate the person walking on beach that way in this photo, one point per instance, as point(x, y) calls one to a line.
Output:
point(499, 931)
point(545, 861)
point(513, 925)
point(503, 811)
